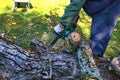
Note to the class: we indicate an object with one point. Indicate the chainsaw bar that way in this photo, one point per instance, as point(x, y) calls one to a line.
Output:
point(53, 42)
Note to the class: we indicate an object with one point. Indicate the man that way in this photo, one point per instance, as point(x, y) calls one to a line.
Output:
point(104, 15)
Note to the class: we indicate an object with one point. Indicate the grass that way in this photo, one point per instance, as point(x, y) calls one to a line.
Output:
point(114, 44)
point(21, 26)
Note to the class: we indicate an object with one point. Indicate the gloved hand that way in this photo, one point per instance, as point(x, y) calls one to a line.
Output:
point(58, 29)
point(62, 31)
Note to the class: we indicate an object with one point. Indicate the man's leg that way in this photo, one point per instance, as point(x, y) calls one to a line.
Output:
point(102, 27)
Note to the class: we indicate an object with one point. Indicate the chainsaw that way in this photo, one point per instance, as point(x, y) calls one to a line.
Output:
point(68, 30)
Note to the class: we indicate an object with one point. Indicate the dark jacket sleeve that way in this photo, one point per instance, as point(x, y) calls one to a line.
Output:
point(71, 11)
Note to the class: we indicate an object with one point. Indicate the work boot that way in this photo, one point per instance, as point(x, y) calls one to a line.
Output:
point(100, 59)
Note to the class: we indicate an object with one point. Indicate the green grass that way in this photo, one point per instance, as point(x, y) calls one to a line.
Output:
point(114, 44)
point(21, 26)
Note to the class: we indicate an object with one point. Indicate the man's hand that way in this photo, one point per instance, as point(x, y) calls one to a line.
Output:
point(58, 29)
point(62, 31)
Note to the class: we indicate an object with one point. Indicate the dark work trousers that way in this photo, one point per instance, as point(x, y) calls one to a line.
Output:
point(103, 23)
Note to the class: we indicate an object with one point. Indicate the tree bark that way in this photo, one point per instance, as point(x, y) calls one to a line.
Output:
point(17, 63)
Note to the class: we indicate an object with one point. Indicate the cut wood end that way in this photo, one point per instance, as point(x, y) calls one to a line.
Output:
point(75, 36)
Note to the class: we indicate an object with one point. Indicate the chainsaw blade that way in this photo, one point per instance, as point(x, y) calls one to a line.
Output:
point(53, 42)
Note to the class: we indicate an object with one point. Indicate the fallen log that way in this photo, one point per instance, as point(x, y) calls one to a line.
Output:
point(17, 63)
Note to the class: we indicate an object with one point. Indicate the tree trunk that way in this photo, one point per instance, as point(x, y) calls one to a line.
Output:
point(17, 63)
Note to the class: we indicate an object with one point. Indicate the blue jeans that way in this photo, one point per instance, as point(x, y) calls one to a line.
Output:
point(103, 24)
